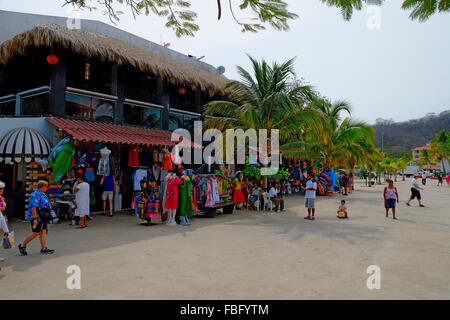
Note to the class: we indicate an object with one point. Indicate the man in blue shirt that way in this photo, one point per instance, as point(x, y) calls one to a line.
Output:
point(38, 200)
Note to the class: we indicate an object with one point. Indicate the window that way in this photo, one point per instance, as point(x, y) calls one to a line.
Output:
point(175, 121)
point(8, 107)
point(89, 108)
point(36, 105)
point(142, 116)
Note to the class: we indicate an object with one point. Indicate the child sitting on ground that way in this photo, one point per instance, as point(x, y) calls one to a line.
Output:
point(342, 208)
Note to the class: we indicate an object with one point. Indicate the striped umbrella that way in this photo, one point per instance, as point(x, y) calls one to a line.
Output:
point(22, 143)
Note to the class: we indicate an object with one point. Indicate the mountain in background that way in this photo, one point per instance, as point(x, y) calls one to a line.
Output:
point(401, 137)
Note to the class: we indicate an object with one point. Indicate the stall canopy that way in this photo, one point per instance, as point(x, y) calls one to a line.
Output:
point(96, 131)
point(23, 143)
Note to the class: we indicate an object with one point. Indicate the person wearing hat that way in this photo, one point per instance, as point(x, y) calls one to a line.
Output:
point(415, 191)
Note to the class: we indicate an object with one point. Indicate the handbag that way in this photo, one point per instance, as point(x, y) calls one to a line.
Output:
point(45, 214)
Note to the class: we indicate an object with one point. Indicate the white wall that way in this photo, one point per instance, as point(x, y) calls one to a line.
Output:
point(37, 123)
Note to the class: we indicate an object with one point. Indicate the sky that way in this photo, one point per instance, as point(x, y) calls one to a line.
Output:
point(398, 70)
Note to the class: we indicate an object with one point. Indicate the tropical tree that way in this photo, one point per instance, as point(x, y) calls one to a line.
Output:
point(263, 100)
point(420, 9)
point(440, 146)
point(182, 20)
point(338, 141)
point(425, 157)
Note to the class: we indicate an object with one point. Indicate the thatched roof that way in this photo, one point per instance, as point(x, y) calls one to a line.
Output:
point(93, 44)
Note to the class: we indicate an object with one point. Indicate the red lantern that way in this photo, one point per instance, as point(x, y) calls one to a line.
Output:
point(314, 171)
point(52, 59)
point(182, 91)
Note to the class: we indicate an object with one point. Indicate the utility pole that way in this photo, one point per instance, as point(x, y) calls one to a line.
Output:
point(382, 142)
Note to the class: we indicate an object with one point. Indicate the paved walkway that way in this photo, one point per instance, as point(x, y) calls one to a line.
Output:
point(248, 255)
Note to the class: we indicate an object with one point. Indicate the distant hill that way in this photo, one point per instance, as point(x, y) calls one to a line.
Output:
point(400, 137)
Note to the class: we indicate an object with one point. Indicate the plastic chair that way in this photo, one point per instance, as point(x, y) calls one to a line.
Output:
point(267, 201)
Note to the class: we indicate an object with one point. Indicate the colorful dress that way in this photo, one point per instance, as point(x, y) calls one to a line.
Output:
point(184, 200)
point(172, 192)
point(238, 195)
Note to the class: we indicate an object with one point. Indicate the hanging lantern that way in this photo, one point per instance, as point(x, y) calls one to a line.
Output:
point(314, 171)
point(52, 59)
point(182, 91)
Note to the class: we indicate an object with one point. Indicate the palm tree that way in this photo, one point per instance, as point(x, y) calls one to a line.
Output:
point(340, 141)
point(264, 100)
point(425, 157)
point(421, 9)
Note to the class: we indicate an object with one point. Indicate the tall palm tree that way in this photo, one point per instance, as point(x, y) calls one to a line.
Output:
point(263, 99)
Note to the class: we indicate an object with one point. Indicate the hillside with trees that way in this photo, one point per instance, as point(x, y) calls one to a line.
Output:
point(401, 137)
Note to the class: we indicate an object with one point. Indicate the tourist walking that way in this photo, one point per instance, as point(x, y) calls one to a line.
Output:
point(415, 191)
point(310, 197)
point(424, 178)
point(447, 179)
point(82, 190)
point(440, 178)
point(109, 189)
point(3, 220)
point(38, 209)
point(390, 196)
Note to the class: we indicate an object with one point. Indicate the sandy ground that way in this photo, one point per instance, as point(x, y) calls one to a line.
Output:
point(248, 255)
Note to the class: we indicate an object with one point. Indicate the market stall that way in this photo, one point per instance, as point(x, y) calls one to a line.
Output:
point(20, 148)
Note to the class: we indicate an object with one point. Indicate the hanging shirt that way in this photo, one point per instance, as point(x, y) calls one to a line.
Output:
point(133, 157)
point(167, 164)
point(156, 171)
point(139, 175)
point(90, 175)
point(215, 191)
point(172, 192)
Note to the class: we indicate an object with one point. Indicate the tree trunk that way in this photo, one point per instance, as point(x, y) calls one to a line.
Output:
point(403, 174)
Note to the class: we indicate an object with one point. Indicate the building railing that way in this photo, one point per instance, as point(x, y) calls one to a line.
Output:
point(21, 96)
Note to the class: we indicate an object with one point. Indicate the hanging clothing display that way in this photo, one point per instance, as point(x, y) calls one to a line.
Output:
point(184, 199)
point(89, 174)
point(103, 164)
point(138, 175)
point(171, 201)
point(167, 163)
point(133, 157)
point(156, 169)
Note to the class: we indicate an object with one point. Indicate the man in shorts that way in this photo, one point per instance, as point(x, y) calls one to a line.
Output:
point(109, 189)
point(415, 191)
point(310, 197)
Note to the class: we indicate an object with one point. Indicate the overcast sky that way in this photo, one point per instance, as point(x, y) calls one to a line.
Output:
point(399, 71)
